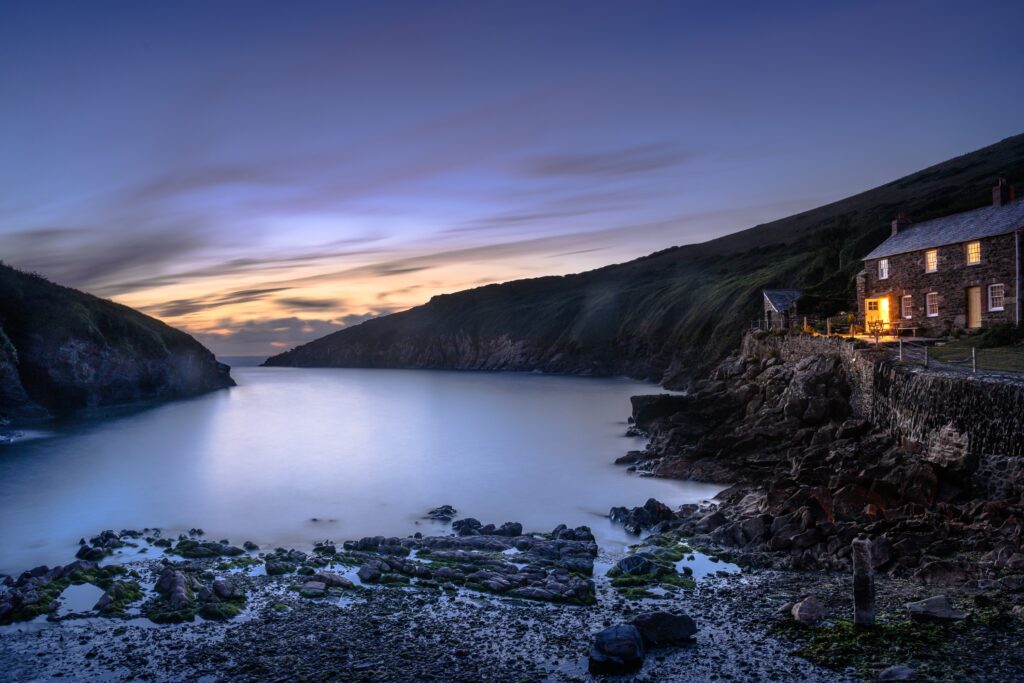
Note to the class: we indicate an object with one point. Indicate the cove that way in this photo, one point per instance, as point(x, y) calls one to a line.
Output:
point(292, 456)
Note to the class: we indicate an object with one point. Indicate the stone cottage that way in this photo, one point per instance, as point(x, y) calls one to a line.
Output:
point(958, 271)
point(780, 307)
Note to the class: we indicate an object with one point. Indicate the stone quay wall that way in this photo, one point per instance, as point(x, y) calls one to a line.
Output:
point(968, 423)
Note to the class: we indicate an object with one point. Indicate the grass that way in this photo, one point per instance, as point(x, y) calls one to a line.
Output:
point(683, 307)
point(1004, 358)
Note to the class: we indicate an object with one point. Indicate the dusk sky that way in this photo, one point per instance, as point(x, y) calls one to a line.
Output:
point(260, 174)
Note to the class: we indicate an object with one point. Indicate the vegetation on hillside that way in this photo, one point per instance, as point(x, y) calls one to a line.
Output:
point(668, 315)
point(62, 349)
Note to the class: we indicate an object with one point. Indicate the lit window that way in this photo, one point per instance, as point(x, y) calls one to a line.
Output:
point(973, 253)
point(883, 269)
point(907, 306)
point(932, 304)
point(995, 297)
point(873, 305)
point(931, 260)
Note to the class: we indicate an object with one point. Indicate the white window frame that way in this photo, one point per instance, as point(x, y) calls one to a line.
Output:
point(934, 269)
point(928, 301)
point(967, 253)
point(883, 269)
point(1002, 297)
point(907, 306)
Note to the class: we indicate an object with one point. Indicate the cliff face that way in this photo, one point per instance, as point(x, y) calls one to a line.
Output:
point(671, 315)
point(63, 350)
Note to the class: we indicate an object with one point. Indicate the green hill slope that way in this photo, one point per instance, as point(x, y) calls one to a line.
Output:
point(62, 350)
point(668, 315)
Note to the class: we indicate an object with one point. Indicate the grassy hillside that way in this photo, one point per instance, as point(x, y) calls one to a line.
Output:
point(61, 349)
point(670, 314)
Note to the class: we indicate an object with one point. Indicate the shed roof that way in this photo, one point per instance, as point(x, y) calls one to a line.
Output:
point(988, 221)
point(782, 299)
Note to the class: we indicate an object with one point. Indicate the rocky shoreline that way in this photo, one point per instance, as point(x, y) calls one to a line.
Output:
point(755, 586)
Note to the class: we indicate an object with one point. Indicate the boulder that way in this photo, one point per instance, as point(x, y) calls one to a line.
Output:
point(898, 673)
point(444, 513)
point(313, 589)
point(617, 650)
point(467, 527)
point(809, 611)
point(665, 628)
point(635, 565)
point(935, 609)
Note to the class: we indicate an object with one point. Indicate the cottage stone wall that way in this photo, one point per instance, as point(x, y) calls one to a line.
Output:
point(907, 275)
point(958, 421)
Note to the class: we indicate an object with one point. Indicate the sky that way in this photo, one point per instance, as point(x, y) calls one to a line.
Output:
point(263, 173)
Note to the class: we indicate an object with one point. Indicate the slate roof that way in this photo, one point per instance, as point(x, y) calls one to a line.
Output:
point(782, 299)
point(960, 227)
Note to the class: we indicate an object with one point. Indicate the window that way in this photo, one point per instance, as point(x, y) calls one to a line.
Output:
point(883, 269)
point(932, 304)
point(931, 260)
point(873, 305)
point(907, 306)
point(995, 297)
point(973, 253)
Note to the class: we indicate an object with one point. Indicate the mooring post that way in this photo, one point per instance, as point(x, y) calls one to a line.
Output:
point(901, 348)
point(926, 356)
point(863, 583)
point(974, 360)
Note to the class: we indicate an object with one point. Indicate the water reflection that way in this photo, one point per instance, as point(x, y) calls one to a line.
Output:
point(360, 451)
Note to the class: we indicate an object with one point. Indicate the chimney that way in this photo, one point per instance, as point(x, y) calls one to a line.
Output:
point(1002, 193)
point(901, 221)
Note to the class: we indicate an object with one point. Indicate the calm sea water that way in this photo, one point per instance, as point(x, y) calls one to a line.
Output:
point(365, 452)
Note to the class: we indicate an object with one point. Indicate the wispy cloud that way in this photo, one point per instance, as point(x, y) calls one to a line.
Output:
point(626, 161)
point(310, 304)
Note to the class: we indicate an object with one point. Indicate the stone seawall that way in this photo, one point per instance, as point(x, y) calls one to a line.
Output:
point(959, 421)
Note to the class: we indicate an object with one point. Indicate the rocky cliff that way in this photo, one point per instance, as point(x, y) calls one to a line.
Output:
point(825, 443)
point(62, 350)
point(671, 315)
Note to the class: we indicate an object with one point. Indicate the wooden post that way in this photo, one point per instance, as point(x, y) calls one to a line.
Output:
point(828, 327)
point(901, 348)
point(863, 583)
point(974, 360)
point(926, 355)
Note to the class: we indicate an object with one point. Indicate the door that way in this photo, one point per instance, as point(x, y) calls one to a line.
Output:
point(974, 307)
point(876, 314)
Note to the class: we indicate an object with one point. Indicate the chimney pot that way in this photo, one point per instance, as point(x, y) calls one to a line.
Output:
point(901, 221)
point(1001, 193)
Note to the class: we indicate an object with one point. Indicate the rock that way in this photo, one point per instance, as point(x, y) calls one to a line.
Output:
point(333, 580)
point(313, 589)
point(368, 574)
point(898, 673)
point(176, 589)
point(226, 589)
point(809, 611)
point(276, 568)
point(250, 546)
point(444, 513)
point(467, 527)
point(511, 529)
point(934, 609)
point(940, 573)
point(635, 565)
point(617, 650)
point(630, 458)
point(710, 522)
point(664, 628)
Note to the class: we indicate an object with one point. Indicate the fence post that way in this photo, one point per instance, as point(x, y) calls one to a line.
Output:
point(974, 360)
point(863, 583)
